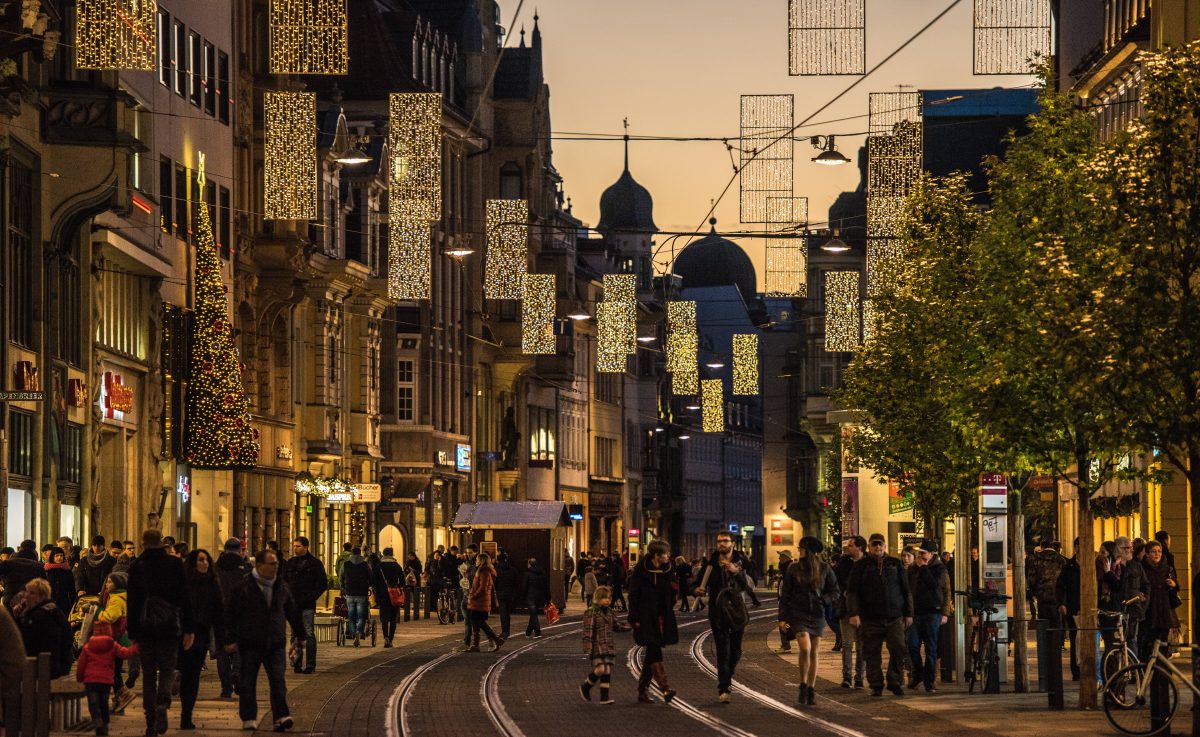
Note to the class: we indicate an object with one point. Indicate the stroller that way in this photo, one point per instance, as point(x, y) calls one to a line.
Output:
point(82, 615)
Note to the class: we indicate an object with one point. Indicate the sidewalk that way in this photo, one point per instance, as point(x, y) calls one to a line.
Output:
point(335, 665)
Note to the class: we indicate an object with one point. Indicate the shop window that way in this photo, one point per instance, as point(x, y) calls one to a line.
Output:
point(195, 69)
point(20, 443)
point(223, 99)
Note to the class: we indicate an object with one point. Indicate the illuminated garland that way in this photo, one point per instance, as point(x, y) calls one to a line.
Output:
point(870, 319)
point(537, 314)
point(894, 163)
point(745, 364)
point(787, 258)
point(612, 320)
point(410, 272)
point(309, 37)
point(218, 431)
point(115, 34)
point(827, 37)
point(712, 405)
point(682, 344)
point(766, 153)
point(290, 156)
point(841, 311)
point(1010, 34)
point(415, 156)
point(507, 248)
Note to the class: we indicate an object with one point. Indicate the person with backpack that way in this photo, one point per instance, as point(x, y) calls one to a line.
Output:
point(160, 613)
point(652, 616)
point(356, 587)
point(1042, 576)
point(412, 587)
point(880, 605)
point(808, 584)
point(723, 579)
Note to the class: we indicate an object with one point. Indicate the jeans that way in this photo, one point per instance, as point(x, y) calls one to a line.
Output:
point(728, 643)
point(851, 651)
point(535, 626)
point(874, 633)
point(97, 701)
point(273, 660)
point(309, 656)
point(228, 669)
point(190, 664)
point(358, 610)
point(158, 666)
point(505, 607)
point(924, 631)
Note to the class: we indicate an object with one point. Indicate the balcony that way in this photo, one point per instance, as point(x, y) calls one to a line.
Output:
point(88, 116)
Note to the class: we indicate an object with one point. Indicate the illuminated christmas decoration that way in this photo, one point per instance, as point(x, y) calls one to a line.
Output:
point(827, 37)
point(682, 344)
point(415, 153)
point(745, 364)
point(309, 37)
point(766, 159)
point(614, 321)
point(787, 210)
point(620, 288)
point(870, 318)
point(410, 259)
point(841, 311)
point(507, 248)
point(894, 163)
point(884, 265)
point(537, 314)
point(787, 267)
point(1010, 34)
point(712, 405)
point(115, 34)
point(218, 432)
point(290, 156)
point(886, 109)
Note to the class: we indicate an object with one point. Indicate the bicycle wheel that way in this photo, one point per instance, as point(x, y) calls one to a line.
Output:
point(1118, 661)
point(341, 632)
point(990, 665)
point(443, 610)
point(1127, 700)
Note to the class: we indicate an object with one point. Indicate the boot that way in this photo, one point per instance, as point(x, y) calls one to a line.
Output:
point(605, 685)
point(474, 648)
point(803, 697)
point(660, 677)
point(812, 696)
point(643, 686)
point(585, 688)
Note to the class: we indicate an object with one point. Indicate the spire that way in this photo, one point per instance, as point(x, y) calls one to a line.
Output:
point(522, 36)
point(626, 144)
point(537, 34)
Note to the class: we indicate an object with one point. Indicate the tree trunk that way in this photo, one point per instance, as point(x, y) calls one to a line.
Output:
point(1193, 477)
point(1019, 634)
point(1088, 588)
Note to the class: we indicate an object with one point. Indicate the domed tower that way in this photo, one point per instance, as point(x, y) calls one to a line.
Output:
point(715, 261)
point(627, 224)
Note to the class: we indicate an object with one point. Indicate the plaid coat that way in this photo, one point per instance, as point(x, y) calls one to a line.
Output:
point(598, 631)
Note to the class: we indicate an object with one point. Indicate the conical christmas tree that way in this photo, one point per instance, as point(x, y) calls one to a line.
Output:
point(219, 434)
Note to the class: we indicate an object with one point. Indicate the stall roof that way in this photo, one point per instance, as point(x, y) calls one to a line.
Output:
point(512, 515)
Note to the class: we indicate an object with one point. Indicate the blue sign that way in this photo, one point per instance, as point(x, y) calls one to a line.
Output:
point(462, 457)
point(733, 528)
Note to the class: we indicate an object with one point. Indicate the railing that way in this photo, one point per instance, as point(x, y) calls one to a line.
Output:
point(1120, 16)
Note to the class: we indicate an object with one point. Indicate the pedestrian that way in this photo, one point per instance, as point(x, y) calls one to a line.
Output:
point(307, 581)
point(932, 606)
point(208, 614)
point(44, 627)
point(506, 592)
point(387, 583)
point(1068, 597)
point(342, 557)
point(589, 585)
point(257, 615)
point(568, 572)
point(785, 635)
point(1162, 599)
point(581, 567)
point(1135, 592)
point(652, 616)
point(466, 576)
point(853, 550)
point(356, 587)
point(683, 579)
point(723, 579)
point(479, 603)
point(808, 583)
point(879, 603)
point(412, 584)
point(93, 568)
point(12, 658)
point(62, 580)
point(433, 578)
point(160, 613)
point(96, 669)
point(231, 568)
point(114, 612)
point(536, 585)
point(598, 645)
point(18, 570)
point(618, 576)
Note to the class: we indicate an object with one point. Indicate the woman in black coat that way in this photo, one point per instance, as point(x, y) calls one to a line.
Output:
point(62, 580)
point(808, 585)
point(1159, 619)
point(652, 615)
point(386, 573)
point(208, 613)
point(683, 577)
point(44, 627)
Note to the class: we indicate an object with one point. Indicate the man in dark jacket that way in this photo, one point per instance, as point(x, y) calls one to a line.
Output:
point(931, 609)
point(307, 580)
point(93, 568)
point(231, 568)
point(412, 587)
point(536, 585)
point(1067, 593)
point(160, 611)
point(506, 591)
point(724, 568)
point(852, 662)
point(19, 570)
point(257, 617)
point(879, 603)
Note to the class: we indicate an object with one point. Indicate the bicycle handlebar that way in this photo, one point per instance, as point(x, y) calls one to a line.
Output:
point(983, 594)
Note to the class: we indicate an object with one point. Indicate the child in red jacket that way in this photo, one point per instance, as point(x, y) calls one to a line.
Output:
point(96, 668)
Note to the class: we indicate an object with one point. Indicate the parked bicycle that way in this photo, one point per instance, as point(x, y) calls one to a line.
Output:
point(984, 647)
point(447, 603)
point(1127, 694)
point(1119, 655)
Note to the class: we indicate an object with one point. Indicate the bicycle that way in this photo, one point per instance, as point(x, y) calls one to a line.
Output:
point(447, 605)
point(1127, 694)
point(369, 630)
point(985, 648)
point(1119, 656)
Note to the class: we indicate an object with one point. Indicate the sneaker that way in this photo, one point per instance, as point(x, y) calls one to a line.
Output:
point(858, 683)
point(249, 725)
point(877, 692)
point(931, 689)
point(471, 649)
point(537, 635)
point(284, 724)
point(837, 648)
point(845, 683)
point(723, 697)
point(356, 640)
point(608, 701)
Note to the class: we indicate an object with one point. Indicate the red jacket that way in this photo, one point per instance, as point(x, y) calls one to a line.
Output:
point(97, 662)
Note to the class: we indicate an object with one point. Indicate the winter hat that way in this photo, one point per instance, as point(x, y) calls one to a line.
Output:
point(811, 544)
point(120, 580)
point(876, 536)
point(785, 555)
point(928, 546)
point(233, 545)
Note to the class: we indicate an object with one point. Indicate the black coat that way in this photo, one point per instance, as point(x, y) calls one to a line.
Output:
point(1067, 588)
point(385, 572)
point(356, 577)
point(307, 580)
point(16, 572)
point(717, 579)
point(208, 606)
point(231, 568)
point(652, 605)
point(154, 573)
point(928, 584)
point(841, 571)
point(801, 601)
point(62, 587)
point(536, 586)
point(254, 625)
point(1158, 608)
point(878, 589)
point(506, 582)
point(44, 629)
point(91, 572)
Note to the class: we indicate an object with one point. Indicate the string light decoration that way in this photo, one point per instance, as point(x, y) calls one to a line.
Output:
point(870, 320)
point(894, 162)
point(841, 311)
point(712, 405)
point(410, 259)
point(827, 37)
point(217, 432)
point(612, 336)
point(787, 210)
point(415, 155)
point(787, 258)
point(766, 158)
point(1009, 34)
point(745, 364)
point(620, 288)
point(290, 156)
point(537, 314)
point(507, 248)
point(682, 345)
point(885, 265)
point(115, 34)
point(309, 37)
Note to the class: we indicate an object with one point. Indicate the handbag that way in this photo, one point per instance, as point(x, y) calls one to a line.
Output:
point(396, 594)
point(551, 613)
point(339, 607)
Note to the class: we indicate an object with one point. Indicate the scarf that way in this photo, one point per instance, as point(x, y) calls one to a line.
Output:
point(57, 567)
point(265, 585)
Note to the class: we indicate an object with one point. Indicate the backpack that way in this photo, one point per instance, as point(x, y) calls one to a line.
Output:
point(1049, 569)
point(160, 618)
point(730, 609)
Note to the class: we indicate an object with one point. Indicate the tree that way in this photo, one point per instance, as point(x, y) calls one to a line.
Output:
point(217, 423)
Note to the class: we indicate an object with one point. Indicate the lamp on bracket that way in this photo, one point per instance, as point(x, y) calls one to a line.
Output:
point(829, 155)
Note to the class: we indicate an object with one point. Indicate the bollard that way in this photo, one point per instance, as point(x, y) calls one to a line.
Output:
point(1054, 680)
point(1041, 628)
point(1159, 700)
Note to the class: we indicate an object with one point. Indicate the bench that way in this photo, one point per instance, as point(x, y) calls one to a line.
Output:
point(326, 629)
point(68, 704)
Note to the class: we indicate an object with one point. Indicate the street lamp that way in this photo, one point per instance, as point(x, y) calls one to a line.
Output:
point(459, 250)
point(829, 155)
point(353, 156)
point(715, 363)
point(835, 244)
point(577, 314)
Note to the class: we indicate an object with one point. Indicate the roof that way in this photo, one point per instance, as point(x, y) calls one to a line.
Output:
point(510, 515)
point(715, 261)
point(627, 205)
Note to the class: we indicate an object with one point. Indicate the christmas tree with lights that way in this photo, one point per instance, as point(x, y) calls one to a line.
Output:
point(219, 434)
